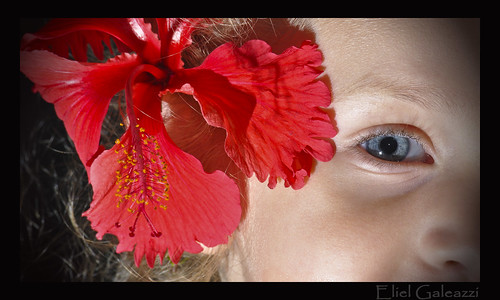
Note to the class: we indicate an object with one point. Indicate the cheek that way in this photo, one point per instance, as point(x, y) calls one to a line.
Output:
point(310, 235)
point(279, 235)
point(331, 230)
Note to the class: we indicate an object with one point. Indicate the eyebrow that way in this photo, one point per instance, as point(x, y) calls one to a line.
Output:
point(425, 95)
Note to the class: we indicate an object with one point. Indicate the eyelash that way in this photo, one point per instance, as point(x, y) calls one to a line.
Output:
point(391, 130)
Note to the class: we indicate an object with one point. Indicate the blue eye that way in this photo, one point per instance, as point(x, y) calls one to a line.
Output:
point(394, 148)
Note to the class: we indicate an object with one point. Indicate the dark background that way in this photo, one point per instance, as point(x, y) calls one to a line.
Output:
point(44, 150)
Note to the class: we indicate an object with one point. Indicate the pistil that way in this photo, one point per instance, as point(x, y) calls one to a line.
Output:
point(141, 179)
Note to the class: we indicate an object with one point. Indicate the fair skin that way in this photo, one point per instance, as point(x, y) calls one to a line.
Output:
point(363, 218)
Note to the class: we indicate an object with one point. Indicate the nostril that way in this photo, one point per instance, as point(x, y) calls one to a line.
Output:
point(455, 271)
point(453, 265)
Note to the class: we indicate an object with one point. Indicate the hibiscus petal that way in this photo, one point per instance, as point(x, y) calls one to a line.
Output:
point(60, 34)
point(277, 126)
point(156, 198)
point(80, 92)
point(216, 96)
point(175, 35)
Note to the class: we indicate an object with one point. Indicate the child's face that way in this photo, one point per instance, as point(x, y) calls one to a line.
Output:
point(403, 90)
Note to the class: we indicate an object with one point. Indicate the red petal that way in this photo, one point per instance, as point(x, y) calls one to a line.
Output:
point(196, 208)
point(217, 98)
point(277, 127)
point(59, 34)
point(80, 92)
point(175, 35)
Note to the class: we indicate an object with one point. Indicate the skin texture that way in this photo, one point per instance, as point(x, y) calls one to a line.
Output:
point(360, 218)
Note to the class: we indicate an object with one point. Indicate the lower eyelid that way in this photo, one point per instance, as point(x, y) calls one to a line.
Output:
point(373, 164)
point(383, 180)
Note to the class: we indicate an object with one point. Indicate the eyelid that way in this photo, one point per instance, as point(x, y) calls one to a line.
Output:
point(388, 129)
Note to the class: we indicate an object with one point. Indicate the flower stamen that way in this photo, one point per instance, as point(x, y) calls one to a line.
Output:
point(141, 178)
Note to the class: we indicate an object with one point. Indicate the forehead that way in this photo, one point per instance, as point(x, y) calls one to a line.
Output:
point(439, 53)
point(425, 38)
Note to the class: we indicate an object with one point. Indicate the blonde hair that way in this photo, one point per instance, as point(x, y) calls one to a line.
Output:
point(88, 259)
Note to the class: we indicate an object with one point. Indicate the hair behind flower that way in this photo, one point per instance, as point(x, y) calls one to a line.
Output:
point(55, 190)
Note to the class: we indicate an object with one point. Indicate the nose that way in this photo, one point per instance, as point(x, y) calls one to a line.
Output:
point(451, 255)
point(449, 238)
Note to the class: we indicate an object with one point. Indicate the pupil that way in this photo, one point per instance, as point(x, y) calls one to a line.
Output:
point(388, 145)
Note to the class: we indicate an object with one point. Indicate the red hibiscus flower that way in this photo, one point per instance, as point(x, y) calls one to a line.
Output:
point(148, 192)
